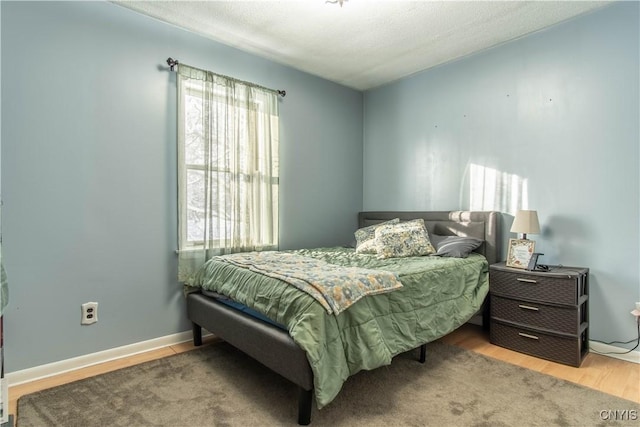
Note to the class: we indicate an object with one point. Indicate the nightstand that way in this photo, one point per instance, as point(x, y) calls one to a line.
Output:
point(544, 314)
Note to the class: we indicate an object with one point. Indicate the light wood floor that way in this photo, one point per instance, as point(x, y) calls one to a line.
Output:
point(602, 373)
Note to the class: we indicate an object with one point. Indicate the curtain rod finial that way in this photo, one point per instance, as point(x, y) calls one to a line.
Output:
point(172, 63)
point(282, 93)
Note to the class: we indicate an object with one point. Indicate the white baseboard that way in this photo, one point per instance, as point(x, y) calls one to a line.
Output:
point(611, 351)
point(56, 368)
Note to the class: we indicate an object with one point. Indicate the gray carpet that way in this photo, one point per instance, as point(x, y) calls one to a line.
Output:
point(219, 386)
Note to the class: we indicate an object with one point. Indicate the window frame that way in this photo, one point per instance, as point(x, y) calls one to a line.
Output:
point(194, 89)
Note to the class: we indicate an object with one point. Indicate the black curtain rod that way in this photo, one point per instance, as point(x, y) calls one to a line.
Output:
point(173, 62)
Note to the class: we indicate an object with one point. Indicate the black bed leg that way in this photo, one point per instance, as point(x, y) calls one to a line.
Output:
point(486, 315)
point(423, 353)
point(305, 401)
point(197, 334)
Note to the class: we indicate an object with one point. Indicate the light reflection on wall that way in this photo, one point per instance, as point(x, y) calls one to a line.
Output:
point(492, 190)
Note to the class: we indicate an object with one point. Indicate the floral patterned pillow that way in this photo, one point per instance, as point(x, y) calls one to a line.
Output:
point(403, 240)
point(366, 238)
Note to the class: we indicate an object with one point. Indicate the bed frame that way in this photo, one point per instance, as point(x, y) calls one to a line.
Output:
point(274, 348)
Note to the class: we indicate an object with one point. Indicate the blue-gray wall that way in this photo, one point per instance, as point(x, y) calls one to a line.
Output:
point(553, 117)
point(89, 171)
point(88, 161)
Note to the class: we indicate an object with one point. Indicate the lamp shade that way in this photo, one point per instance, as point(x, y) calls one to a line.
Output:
point(526, 222)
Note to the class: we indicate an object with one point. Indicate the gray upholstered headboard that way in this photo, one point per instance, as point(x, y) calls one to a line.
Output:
point(478, 224)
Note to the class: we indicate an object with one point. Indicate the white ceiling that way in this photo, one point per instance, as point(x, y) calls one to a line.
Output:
point(363, 43)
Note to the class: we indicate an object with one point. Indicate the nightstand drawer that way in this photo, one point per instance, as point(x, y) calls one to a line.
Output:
point(562, 349)
point(560, 319)
point(543, 287)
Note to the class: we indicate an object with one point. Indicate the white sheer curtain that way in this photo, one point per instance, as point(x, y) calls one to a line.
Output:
point(227, 168)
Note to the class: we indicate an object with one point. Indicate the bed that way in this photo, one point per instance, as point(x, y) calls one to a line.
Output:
point(307, 347)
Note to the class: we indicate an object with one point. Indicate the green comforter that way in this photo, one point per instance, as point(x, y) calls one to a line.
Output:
point(438, 295)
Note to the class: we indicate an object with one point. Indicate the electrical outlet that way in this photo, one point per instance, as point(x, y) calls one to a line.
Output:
point(89, 313)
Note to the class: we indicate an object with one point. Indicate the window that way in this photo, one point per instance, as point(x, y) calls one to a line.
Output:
point(227, 166)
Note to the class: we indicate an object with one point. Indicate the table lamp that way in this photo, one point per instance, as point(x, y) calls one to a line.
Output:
point(526, 222)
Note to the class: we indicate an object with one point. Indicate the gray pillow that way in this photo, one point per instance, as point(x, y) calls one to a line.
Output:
point(454, 246)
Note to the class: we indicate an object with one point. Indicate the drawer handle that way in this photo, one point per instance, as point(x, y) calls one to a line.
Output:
point(528, 307)
point(520, 279)
point(533, 337)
